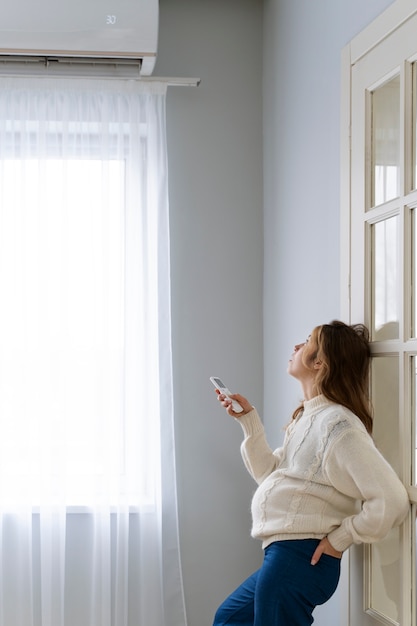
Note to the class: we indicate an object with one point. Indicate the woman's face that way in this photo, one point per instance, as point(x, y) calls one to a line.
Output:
point(301, 362)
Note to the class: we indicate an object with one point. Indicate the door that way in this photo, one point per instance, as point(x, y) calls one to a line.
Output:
point(379, 178)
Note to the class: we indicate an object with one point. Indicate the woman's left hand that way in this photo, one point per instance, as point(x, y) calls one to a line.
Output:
point(325, 547)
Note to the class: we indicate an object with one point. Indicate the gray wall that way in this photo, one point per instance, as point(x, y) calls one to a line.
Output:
point(303, 40)
point(215, 183)
point(233, 314)
point(302, 57)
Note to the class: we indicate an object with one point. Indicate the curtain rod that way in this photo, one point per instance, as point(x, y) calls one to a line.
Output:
point(172, 81)
point(169, 81)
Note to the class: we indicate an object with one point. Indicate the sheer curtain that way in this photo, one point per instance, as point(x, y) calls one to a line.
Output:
point(88, 519)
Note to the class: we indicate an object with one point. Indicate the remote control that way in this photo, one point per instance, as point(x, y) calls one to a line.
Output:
point(223, 389)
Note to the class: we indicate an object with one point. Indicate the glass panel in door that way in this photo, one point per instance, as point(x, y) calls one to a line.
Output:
point(385, 279)
point(385, 112)
point(414, 118)
point(385, 562)
point(413, 294)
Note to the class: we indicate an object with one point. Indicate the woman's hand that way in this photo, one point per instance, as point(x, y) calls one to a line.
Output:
point(227, 403)
point(325, 547)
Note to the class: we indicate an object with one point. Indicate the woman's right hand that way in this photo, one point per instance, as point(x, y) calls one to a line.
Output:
point(227, 403)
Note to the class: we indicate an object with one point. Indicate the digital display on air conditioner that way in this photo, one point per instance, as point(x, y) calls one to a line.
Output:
point(109, 28)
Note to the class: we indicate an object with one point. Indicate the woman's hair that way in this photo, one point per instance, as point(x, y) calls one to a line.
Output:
point(343, 377)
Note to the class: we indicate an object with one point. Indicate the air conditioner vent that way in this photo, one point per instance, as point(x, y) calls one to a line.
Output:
point(70, 66)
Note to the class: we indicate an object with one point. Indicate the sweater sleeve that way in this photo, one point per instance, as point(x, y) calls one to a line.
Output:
point(258, 457)
point(356, 468)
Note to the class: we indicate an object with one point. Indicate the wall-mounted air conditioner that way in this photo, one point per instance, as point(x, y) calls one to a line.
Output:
point(115, 30)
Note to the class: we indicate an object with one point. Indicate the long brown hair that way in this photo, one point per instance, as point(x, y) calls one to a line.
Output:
point(343, 377)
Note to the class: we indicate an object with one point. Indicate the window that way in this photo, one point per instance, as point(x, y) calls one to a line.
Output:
point(65, 260)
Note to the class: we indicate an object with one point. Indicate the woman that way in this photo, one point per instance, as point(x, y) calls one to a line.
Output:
point(327, 488)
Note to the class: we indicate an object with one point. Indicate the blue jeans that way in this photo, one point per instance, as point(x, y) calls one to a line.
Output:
point(285, 590)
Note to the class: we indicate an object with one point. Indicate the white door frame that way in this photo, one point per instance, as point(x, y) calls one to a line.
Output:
point(392, 18)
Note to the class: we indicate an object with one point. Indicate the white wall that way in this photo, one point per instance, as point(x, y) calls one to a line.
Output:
point(215, 182)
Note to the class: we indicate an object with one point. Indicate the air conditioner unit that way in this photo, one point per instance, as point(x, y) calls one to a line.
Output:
point(71, 30)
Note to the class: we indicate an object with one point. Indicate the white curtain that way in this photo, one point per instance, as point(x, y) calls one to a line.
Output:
point(88, 516)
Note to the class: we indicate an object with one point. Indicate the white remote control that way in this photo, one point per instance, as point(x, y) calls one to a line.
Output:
point(223, 389)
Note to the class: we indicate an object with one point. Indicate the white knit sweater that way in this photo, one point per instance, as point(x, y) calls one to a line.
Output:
point(314, 485)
